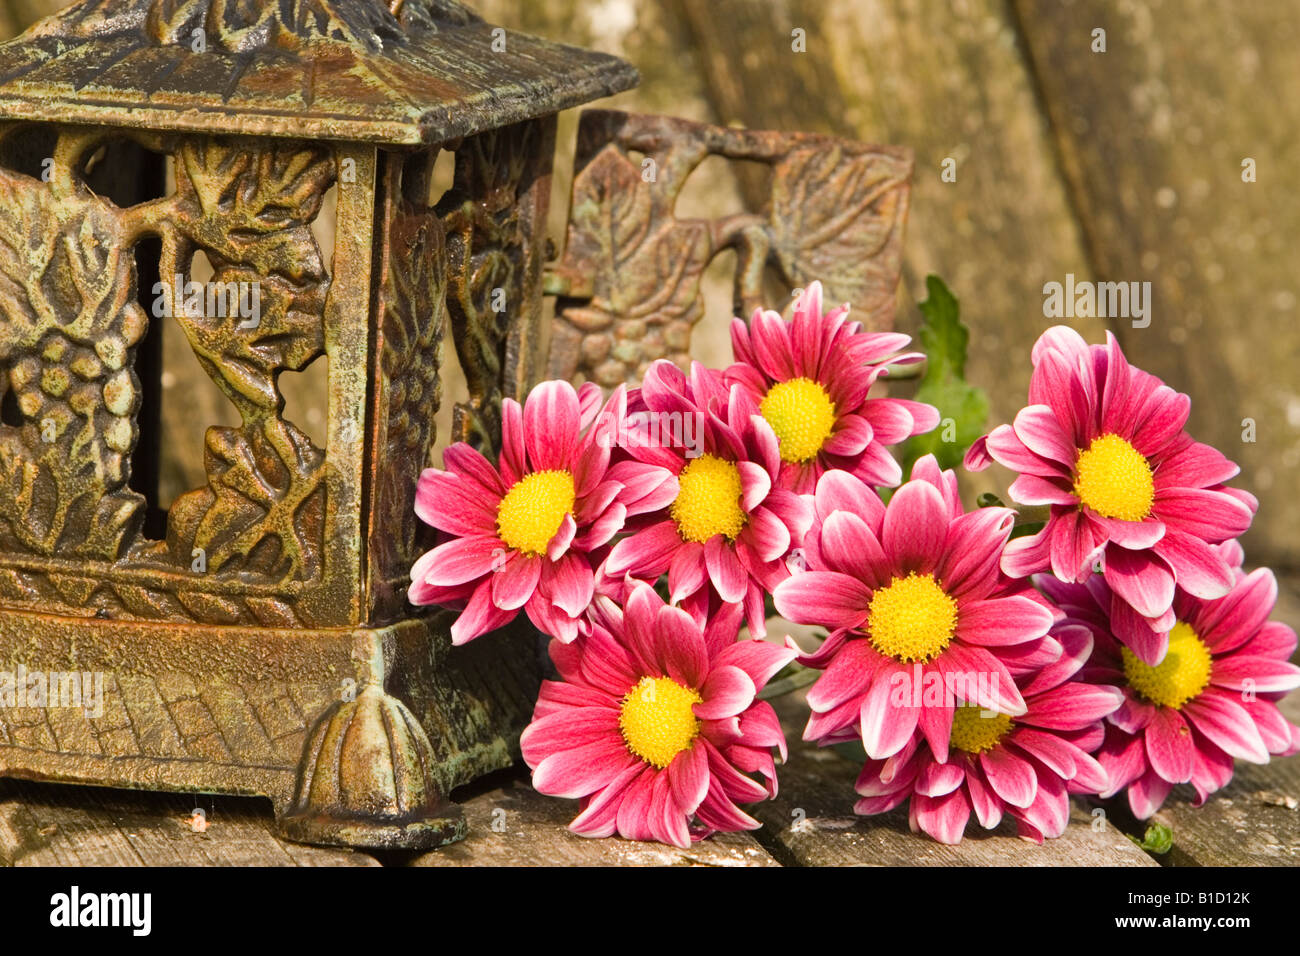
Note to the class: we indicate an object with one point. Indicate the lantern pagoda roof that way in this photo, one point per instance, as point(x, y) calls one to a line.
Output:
point(399, 72)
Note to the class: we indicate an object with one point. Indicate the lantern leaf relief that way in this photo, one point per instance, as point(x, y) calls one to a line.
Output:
point(67, 301)
point(834, 216)
point(249, 209)
point(644, 265)
point(629, 279)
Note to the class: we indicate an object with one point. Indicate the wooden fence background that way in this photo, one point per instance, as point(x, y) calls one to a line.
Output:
point(1117, 166)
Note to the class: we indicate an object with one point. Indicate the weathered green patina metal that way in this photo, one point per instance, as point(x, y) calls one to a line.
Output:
point(255, 637)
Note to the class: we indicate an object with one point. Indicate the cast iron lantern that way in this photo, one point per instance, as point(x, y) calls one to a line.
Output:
point(259, 641)
point(254, 637)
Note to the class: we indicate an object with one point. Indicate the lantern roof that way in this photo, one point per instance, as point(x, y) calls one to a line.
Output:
point(400, 72)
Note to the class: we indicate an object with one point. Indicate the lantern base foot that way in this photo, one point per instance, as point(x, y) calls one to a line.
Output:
point(363, 834)
point(366, 780)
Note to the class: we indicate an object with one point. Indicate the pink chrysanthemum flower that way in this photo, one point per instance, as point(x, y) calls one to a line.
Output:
point(1025, 767)
point(1103, 444)
point(915, 600)
point(1212, 698)
point(810, 377)
point(729, 525)
point(521, 530)
point(654, 725)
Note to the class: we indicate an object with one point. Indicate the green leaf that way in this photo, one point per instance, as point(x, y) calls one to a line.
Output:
point(963, 409)
point(1158, 839)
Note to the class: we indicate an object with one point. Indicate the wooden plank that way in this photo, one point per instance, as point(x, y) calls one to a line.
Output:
point(513, 825)
point(811, 823)
point(57, 825)
point(1253, 821)
point(1153, 133)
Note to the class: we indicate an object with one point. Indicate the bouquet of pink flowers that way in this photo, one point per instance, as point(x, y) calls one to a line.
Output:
point(984, 669)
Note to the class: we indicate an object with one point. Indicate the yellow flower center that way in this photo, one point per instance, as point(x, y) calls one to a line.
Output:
point(911, 619)
point(657, 721)
point(975, 734)
point(801, 414)
point(1114, 480)
point(708, 500)
point(533, 509)
point(1180, 677)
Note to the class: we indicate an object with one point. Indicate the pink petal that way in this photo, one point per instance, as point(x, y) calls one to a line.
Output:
point(1264, 674)
point(943, 818)
point(463, 559)
point(1228, 623)
point(1144, 581)
point(847, 545)
point(755, 483)
point(686, 573)
point(936, 779)
point(514, 463)
point(1227, 724)
point(681, 646)
point(1209, 515)
point(727, 691)
point(648, 551)
point(725, 569)
point(846, 678)
point(1169, 745)
point(569, 583)
point(552, 420)
point(986, 803)
point(1197, 466)
point(1147, 793)
point(1072, 706)
point(1011, 777)
point(582, 770)
point(1036, 490)
point(840, 491)
point(1054, 752)
point(1198, 569)
point(767, 535)
point(1028, 555)
point(823, 597)
point(1041, 432)
point(1075, 542)
point(688, 775)
point(852, 435)
point(565, 729)
point(1001, 621)
point(479, 617)
point(513, 584)
point(759, 659)
point(886, 726)
point(915, 526)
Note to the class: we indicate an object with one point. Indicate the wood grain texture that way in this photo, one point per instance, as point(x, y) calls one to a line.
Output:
point(513, 825)
point(53, 825)
point(811, 823)
point(1153, 133)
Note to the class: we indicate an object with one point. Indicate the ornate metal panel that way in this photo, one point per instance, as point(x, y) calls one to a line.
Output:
point(411, 283)
point(629, 279)
point(495, 218)
point(248, 546)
